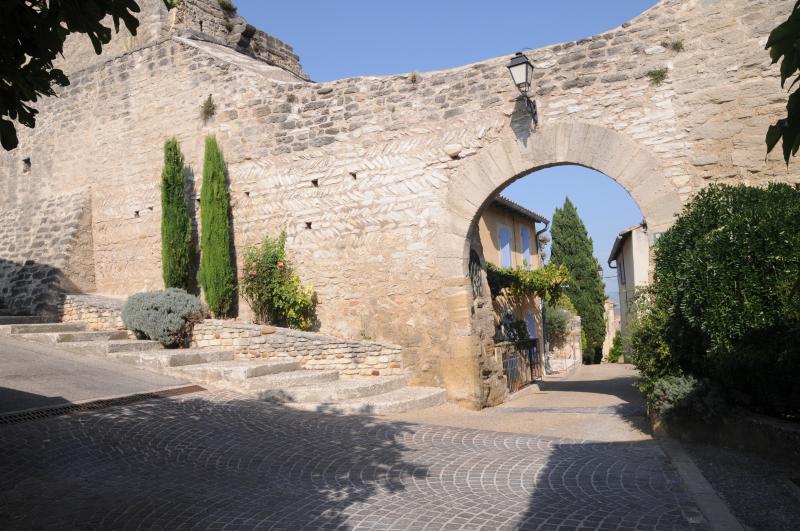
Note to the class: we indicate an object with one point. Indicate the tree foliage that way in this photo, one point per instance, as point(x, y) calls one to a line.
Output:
point(176, 226)
point(784, 45)
point(273, 290)
point(573, 248)
point(725, 301)
point(32, 35)
point(545, 282)
point(558, 313)
point(216, 274)
point(616, 351)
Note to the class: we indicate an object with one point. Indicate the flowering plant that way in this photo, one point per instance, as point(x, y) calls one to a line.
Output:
point(273, 290)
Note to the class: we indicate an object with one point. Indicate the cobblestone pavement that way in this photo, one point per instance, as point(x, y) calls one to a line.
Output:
point(763, 494)
point(218, 461)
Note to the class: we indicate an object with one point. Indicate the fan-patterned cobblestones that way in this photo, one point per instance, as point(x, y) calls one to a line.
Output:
point(217, 461)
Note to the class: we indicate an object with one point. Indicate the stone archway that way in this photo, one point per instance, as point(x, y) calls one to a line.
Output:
point(482, 177)
point(478, 181)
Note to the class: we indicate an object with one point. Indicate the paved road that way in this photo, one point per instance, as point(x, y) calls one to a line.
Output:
point(215, 460)
point(596, 402)
point(35, 375)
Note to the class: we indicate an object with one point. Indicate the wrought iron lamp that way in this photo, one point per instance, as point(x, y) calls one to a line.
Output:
point(521, 70)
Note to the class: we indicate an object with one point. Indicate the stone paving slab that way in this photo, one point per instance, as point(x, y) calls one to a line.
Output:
point(215, 460)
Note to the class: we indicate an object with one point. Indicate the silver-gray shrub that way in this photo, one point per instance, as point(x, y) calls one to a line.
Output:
point(165, 316)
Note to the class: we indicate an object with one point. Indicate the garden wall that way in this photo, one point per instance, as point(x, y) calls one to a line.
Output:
point(314, 351)
point(98, 312)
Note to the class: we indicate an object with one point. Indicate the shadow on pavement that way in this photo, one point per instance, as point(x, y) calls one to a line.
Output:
point(16, 400)
point(165, 463)
point(609, 486)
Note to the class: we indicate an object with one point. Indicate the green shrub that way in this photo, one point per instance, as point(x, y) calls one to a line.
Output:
point(615, 354)
point(216, 274)
point(176, 226)
point(688, 397)
point(273, 290)
point(166, 316)
point(725, 301)
point(657, 76)
point(556, 321)
point(648, 346)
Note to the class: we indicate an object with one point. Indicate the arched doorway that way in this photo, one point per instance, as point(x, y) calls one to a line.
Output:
point(478, 182)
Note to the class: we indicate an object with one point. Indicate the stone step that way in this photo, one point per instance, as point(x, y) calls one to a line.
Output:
point(338, 390)
point(132, 345)
point(166, 359)
point(405, 399)
point(236, 370)
point(263, 385)
point(73, 337)
point(40, 328)
point(100, 335)
point(6, 320)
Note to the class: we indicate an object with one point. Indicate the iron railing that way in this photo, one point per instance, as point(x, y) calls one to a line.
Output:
point(521, 362)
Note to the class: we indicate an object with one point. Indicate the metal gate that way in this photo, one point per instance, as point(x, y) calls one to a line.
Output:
point(521, 363)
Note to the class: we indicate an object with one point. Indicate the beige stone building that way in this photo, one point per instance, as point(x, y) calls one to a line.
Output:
point(378, 181)
point(612, 325)
point(509, 238)
point(631, 258)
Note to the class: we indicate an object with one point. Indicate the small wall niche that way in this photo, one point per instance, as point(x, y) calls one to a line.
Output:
point(247, 194)
point(308, 225)
point(354, 175)
point(26, 165)
point(315, 183)
point(136, 214)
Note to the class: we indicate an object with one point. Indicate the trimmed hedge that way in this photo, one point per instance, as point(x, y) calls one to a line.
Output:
point(726, 297)
point(165, 316)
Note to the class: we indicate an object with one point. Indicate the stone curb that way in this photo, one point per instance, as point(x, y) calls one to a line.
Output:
point(710, 504)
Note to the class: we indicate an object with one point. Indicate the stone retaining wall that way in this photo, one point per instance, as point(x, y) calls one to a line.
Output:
point(97, 311)
point(314, 351)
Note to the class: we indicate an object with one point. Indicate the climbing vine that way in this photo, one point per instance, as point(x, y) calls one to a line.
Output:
point(546, 282)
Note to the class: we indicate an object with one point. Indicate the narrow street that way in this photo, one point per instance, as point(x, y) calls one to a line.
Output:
point(219, 460)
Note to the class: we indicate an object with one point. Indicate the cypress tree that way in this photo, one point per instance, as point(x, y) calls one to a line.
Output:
point(176, 226)
point(216, 274)
point(573, 247)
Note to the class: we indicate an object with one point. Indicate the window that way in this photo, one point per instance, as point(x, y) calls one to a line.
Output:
point(525, 235)
point(621, 270)
point(530, 321)
point(504, 235)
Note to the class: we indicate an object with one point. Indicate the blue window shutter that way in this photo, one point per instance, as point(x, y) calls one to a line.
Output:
point(505, 247)
point(526, 247)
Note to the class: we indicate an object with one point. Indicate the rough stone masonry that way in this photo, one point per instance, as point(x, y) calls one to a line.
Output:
point(378, 180)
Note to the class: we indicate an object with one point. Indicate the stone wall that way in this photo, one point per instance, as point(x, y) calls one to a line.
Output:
point(314, 351)
point(45, 249)
point(377, 181)
point(203, 20)
point(97, 311)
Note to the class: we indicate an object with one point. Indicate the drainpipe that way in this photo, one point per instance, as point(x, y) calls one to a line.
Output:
point(543, 355)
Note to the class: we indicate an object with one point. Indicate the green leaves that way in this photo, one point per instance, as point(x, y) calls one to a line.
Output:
point(177, 252)
point(32, 35)
point(784, 44)
point(725, 284)
point(216, 268)
point(270, 286)
point(573, 248)
point(545, 282)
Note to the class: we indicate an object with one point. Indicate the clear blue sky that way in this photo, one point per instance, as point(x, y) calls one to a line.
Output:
point(345, 38)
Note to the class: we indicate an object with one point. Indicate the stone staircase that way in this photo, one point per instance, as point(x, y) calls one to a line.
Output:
point(8, 317)
point(279, 381)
